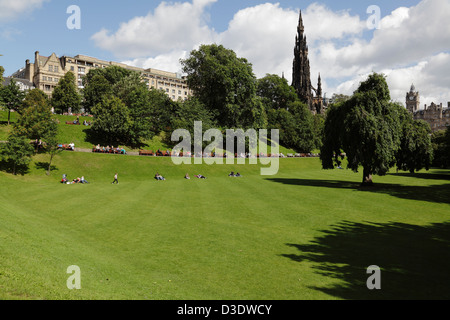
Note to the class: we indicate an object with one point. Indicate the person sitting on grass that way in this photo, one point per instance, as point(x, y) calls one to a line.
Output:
point(83, 180)
point(159, 177)
point(200, 176)
point(187, 176)
point(238, 174)
point(76, 180)
point(64, 178)
point(231, 174)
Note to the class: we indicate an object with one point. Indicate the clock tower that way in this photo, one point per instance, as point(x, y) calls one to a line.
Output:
point(412, 100)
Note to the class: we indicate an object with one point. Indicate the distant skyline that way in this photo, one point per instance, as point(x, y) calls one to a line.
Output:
point(412, 44)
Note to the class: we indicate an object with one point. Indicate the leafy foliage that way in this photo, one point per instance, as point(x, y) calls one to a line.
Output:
point(112, 120)
point(65, 96)
point(16, 153)
point(225, 84)
point(36, 120)
point(366, 127)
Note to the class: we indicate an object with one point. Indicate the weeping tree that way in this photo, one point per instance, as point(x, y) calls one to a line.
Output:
point(366, 128)
point(416, 149)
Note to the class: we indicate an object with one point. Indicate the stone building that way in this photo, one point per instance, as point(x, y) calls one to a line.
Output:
point(437, 116)
point(24, 85)
point(301, 74)
point(46, 72)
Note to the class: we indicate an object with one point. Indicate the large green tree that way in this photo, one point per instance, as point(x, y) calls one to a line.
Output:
point(12, 97)
point(65, 96)
point(275, 92)
point(16, 153)
point(94, 91)
point(112, 121)
point(441, 148)
point(226, 85)
point(36, 120)
point(366, 127)
point(2, 70)
point(416, 150)
point(101, 82)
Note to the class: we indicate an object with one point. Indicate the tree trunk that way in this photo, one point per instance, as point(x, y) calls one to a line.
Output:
point(50, 164)
point(367, 178)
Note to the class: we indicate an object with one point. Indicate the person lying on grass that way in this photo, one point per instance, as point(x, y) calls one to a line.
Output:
point(159, 177)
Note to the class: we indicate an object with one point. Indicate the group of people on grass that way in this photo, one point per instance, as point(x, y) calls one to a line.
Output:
point(64, 180)
point(157, 177)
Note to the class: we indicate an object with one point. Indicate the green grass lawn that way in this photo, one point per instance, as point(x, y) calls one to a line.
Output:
point(304, 233)
point(81, 136)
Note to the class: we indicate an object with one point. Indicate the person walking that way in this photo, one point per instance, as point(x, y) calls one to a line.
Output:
point(115, 179)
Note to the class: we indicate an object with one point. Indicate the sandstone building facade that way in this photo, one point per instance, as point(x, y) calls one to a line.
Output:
point(46, 72)
point(437, 116)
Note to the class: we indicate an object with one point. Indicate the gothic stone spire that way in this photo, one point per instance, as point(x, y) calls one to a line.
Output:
point(301, 79)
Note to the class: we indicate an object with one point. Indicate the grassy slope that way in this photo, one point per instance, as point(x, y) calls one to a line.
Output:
point(78, 134)
point(301, 234)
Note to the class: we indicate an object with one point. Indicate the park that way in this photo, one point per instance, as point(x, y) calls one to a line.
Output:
point(302, 232)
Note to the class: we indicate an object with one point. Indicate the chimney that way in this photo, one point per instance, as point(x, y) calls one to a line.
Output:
point(36, 58)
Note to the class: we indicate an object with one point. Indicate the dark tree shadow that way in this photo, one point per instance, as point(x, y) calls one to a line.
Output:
point(8, 167)
point(414, 260)
point(433, 193)
point(44, 166)
point(97, 139)
point(93, 138)
point(437, 175)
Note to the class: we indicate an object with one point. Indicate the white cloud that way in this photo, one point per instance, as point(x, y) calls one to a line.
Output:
point(168, 62)
point(172, 26)
point(11, 9)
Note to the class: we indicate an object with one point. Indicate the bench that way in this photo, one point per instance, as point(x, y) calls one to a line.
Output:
point(146, 153)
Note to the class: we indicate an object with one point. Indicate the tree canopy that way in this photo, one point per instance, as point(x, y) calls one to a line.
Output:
point(65, 96)
point(367, 127)
point(225, 85)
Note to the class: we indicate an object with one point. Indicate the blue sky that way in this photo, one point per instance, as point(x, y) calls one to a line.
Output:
point(157, 34)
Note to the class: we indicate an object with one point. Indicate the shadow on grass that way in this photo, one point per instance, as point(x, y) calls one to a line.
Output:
point(44, 166)
point(414, 260)
point(433, 193)
point(8, 167)
point(437, 175)
point(95, 139)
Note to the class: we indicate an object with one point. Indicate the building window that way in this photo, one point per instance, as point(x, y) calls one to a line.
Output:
point(56, 69)
point(50, 68)
point(50, 79)
point(72, 68)
point(81, 70)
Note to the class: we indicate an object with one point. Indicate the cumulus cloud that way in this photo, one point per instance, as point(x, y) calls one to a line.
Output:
point(172, 26)
point(9, 10)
